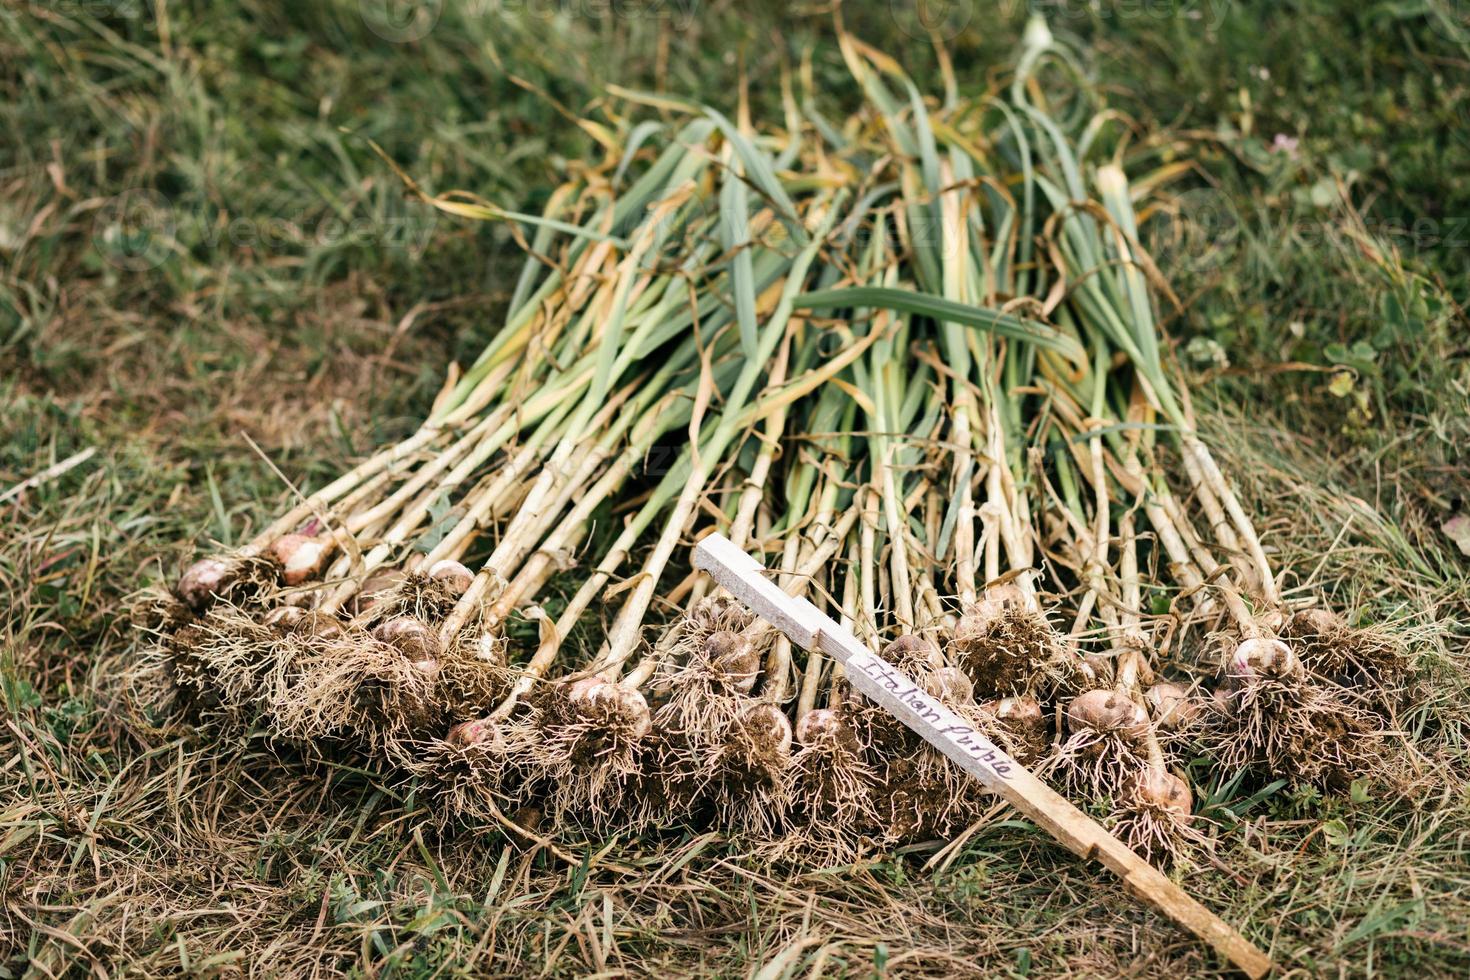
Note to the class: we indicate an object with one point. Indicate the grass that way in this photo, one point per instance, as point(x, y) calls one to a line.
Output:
point(198, 243)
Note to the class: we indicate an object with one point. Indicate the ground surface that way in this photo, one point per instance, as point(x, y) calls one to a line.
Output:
point(200, 254)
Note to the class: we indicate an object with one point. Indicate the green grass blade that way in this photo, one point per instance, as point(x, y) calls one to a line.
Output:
point(947, 311)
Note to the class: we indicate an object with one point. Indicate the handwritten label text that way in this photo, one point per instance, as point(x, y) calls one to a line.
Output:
point(933, 717)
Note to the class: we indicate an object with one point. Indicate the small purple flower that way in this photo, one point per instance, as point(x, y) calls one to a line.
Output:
point(1285, 144)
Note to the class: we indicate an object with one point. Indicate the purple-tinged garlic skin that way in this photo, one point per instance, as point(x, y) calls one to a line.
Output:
point(630, 705)
point(324, 626)
point(1021, 710)
point(1107, 712)
point(202, 582)
point(1262, 657)
point(950, 685)
point(412, 637)
point(1024, 723)
point(377, 587)
point(302, 558)
point(1008, 594)
point(583, 688)
point(733, 659)
point(1315, 621)
point(479, 731)
point(286, 617)
point(454, 576)
point(769, 724)
point(819, 723)
point(826, 726)
point(1162, 790)
point(990, 609)
point(1171, 705)
point(305, 622)
point(913, 651)
point(1101, 667)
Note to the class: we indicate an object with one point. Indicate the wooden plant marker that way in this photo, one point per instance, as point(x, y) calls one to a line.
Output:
point(808, 627)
